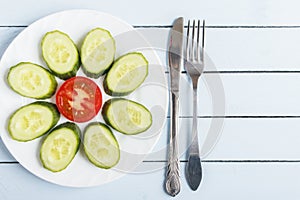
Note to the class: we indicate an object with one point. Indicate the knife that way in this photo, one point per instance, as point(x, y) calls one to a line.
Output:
point(175, 55)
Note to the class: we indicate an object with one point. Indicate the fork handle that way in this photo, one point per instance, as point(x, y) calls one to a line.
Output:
point(194, 148)
point(194, 169)
point(172, 176)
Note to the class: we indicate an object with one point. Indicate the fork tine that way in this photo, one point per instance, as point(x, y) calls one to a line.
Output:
point(197, 49)
point(203, 39)
point(198, 32)
point(193, 49)
point(193, 57)
point(203, 31)
point(187, 42)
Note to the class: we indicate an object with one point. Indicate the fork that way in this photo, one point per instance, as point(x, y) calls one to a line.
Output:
point(194, 65)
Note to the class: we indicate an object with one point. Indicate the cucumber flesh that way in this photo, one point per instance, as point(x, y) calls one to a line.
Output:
point(127, 73)
point(126, 116)
point(32, 121)
point(60, 147)
point(100, 145)
point(31, 80)
point(97, 52)
point(60, 54)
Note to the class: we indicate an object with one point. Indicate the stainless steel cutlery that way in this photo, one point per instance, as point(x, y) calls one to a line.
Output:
point(175, 54)
point(193, 59)
point(194, 65)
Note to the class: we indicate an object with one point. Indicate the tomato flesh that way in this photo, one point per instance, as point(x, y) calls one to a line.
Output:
point(79, 99)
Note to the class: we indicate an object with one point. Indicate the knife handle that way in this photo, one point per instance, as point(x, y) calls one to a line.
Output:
point(172, 176)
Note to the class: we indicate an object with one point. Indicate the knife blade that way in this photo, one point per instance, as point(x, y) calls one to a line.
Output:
point(175, 55)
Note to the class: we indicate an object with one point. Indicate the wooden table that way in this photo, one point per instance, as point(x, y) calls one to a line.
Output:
point(255, 47)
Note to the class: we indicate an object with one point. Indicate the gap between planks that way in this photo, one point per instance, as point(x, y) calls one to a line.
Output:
point(208, 26)
point(229, 161)
point(248, 72)
point(204, 161)
point(241, 117)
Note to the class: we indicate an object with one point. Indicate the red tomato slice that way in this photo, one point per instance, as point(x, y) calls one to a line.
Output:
point(79, 99)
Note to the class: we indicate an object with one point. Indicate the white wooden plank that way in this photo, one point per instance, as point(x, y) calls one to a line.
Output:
point(6, 37)
point(5, 155)
point(230, 49)
point(217, 12)
point(220, 181)
point(261, 94)
point(240, 139)
point(258, 139)
point(245, 95)
point(242, 49)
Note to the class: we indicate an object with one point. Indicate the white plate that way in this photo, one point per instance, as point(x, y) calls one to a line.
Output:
point(153, 94)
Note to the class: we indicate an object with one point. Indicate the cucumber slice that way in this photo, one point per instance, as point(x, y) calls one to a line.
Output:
point(31, 80)
point(33, 120)
point(127, 73)
point(126, 116)
point(60, 147)
point(97, 52)
point(60, 54)
point(101, 146)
